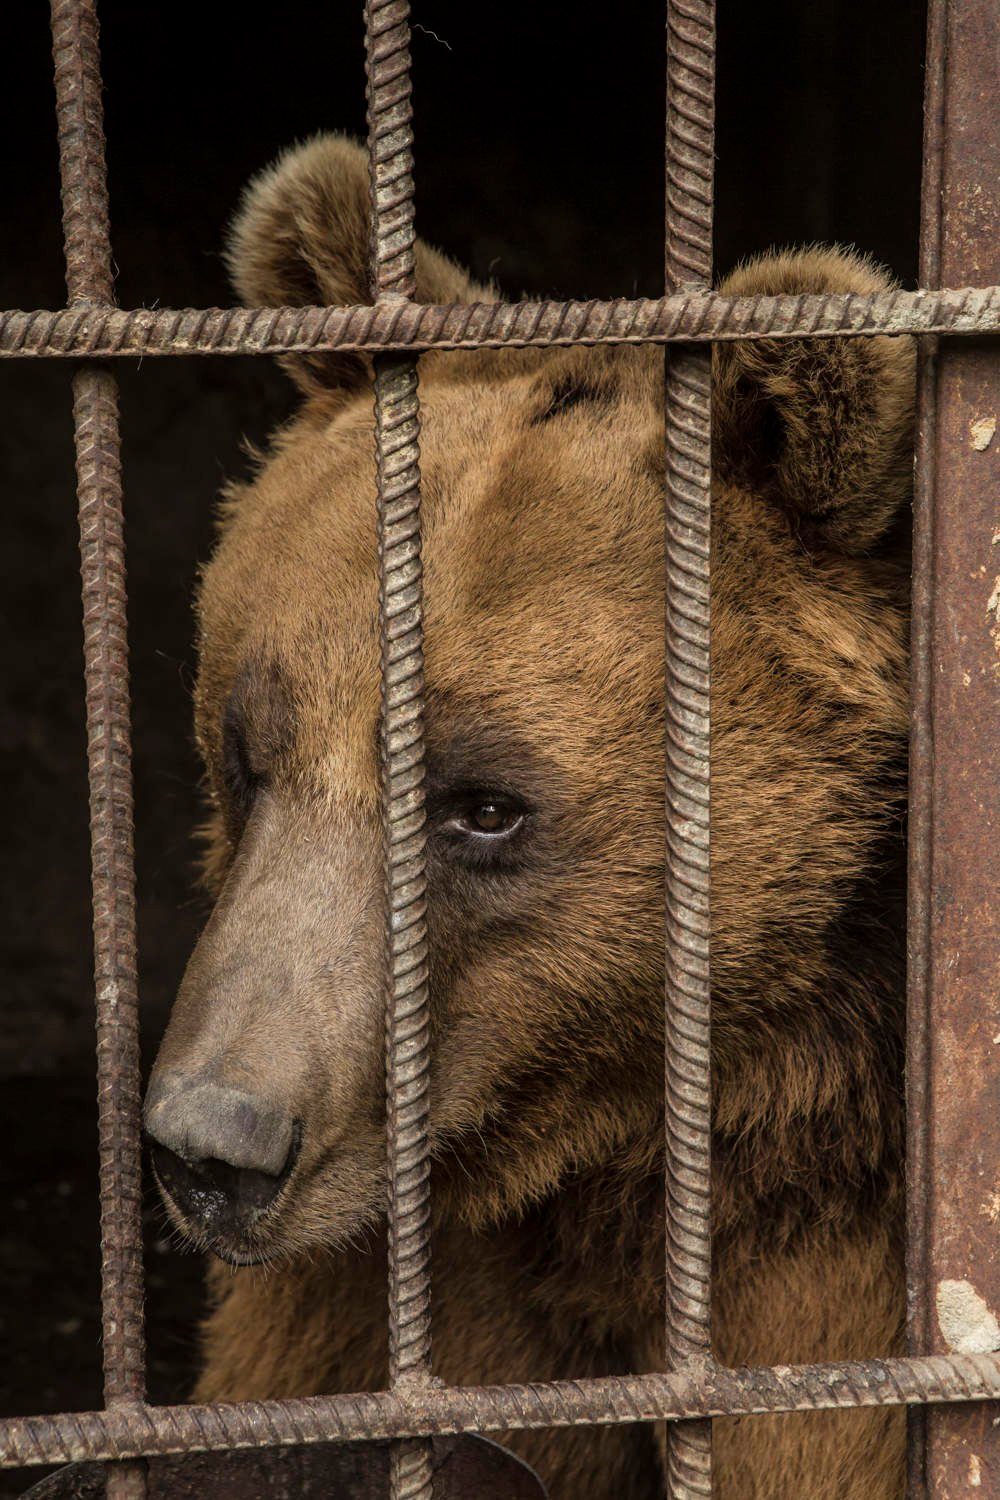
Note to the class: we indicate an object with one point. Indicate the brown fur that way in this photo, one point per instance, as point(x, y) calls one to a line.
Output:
point(543, 544)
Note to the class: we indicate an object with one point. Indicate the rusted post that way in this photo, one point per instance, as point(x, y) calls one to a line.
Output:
point(690, 176)
point(954, 941)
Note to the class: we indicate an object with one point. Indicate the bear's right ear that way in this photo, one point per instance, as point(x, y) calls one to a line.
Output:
point(822, 428)
point(300, 239)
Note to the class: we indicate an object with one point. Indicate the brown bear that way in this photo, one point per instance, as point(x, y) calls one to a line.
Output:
point(543, 479)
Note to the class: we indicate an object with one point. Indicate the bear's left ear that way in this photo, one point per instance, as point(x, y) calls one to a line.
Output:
point(300, 239)
point(821, 427)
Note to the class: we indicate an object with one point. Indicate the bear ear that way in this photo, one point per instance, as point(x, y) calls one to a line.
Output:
point(822, 427)
point(300, 239)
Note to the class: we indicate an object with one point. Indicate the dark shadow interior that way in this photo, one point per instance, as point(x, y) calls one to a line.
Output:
point(539, 162)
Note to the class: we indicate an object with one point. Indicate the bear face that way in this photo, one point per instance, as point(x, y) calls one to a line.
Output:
point(542, 488)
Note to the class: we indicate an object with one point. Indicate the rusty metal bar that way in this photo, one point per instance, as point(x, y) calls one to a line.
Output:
point(397, 446)
point(690, 175)
point(919, 800)
point(400, 326)
point(954, 912)
point(921, 674)
point(682, 1395)
point(95, 413)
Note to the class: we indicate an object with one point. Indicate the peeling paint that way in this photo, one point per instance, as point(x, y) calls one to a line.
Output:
point(981, 433)
point(975, 1470)
point(967, 1324)
point(991, 1208)
point(993, 602)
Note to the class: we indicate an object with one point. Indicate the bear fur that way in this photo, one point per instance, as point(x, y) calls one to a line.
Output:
point(542, 483)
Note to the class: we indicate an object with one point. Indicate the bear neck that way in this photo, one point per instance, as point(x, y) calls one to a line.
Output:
point(808, 1134)
point(808, 1115)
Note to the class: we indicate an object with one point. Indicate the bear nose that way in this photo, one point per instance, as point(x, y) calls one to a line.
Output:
point(198, 1119)
point(221, 1200)
point(220, 1153)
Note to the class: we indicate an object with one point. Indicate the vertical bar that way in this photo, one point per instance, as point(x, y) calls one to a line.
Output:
point(919, 841)
point(954, 910)
point(690, 160)
point(95, 412)
point(397, 434)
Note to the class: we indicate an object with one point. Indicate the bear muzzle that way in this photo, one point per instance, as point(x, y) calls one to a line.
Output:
point(265, 1105)
point(222, 1158)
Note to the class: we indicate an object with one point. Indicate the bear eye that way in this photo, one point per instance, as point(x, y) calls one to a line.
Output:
point(494, 817)
point(486, 816)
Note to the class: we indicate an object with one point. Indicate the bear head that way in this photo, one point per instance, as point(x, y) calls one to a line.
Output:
point(543, 554)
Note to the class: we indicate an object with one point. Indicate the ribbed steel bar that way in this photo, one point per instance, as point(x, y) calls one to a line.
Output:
point(397, 437)
point(400, 326)
point(690, 170)
point(690, 143)
point(80, 118)
point(422, 1409)
point(95, 413)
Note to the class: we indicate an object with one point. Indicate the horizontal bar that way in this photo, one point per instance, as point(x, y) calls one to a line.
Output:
point(413, 1411)
point(680, 318)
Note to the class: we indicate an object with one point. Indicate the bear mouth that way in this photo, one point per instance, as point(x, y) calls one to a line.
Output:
point(224, 1209)
point(238, 1259)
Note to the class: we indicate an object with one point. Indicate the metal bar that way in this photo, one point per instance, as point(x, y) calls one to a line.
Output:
point(77, 70)
point(954, 935)
point(397, 438)
point(682, 1395)
point(95, 413)
point(921, 752)
point(104, 333)
point(690, 174)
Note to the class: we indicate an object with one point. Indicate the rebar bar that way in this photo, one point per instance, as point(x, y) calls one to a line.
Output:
point(411, 1409)
point(397, 438)
point(89, 283)
point(399, 326)
point(690, 168)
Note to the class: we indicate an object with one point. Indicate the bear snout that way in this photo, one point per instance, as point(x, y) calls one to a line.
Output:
point(221, 1155)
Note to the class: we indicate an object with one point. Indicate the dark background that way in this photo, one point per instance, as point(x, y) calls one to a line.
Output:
point(539, 162)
